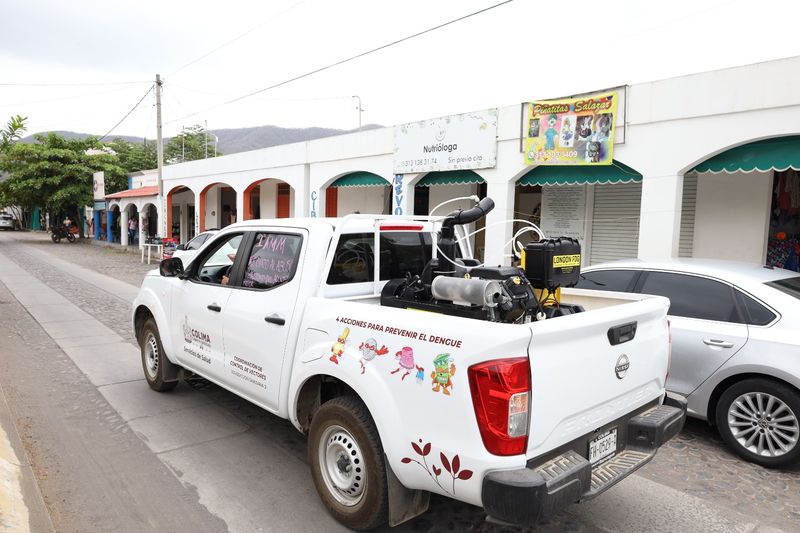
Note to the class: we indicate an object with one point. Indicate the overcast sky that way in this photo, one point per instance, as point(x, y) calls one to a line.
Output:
point(521, 51)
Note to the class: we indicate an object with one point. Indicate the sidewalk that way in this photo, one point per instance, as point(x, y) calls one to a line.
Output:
point(22, 508)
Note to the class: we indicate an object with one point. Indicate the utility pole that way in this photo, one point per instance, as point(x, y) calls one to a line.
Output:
point(205, 132)
point(160, 159)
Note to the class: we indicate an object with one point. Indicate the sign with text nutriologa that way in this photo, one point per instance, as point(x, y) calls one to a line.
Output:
point(572, 131)
point(456, 142)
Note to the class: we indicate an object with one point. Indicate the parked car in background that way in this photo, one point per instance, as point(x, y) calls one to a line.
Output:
point(6, 222)
point(735, 346)
point(187, 251)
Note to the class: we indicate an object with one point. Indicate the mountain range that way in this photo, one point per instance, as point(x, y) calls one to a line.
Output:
point(235, 140)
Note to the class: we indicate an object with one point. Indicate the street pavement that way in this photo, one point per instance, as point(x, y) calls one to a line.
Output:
point(103, 452)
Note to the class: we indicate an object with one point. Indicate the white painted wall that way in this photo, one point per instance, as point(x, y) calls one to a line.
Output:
point(732, 217)
point(213, 207)
point(268, 198)
point(362, 199)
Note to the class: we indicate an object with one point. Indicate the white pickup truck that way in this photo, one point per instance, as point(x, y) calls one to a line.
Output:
point(514, 407)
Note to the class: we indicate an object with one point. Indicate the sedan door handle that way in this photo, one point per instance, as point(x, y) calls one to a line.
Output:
point(275, 320)
point(214, 307)
point(718, 343)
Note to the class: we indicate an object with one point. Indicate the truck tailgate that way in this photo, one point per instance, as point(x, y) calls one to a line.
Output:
point(579, 380)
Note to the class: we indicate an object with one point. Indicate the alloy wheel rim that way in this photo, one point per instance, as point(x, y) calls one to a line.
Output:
point(342, 466)
point(151, 355)
point(763, 424)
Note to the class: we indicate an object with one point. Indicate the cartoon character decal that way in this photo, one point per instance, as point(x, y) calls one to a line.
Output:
point(444, 370)
point(405, 361)
point(338, 349)
point(550, 133)
point(369, 350)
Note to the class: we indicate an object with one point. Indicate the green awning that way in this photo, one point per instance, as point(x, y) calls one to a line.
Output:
point(360, 179)
point(778, 153)
point(616, 172)
point(449, 177)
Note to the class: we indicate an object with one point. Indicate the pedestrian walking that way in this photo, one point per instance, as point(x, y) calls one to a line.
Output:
point(131, 230)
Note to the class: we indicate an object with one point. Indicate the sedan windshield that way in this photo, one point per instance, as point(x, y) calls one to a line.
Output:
point(790, 286)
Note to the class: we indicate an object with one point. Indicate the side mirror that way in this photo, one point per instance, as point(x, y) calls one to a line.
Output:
point(171, 267)
point(180, 247)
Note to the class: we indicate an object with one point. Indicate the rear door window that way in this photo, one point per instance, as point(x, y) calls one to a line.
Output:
point(693, 296)
point(755, 313)
point(608, 280)
point(401, 252)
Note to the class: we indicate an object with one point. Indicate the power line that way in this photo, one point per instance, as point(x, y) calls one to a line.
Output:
point(313, 99)
point(71, 84)
point(62, 98)
point(231, 41)
point(343, 61)
point(127, 114)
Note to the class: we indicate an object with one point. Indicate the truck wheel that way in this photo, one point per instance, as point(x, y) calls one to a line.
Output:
point(154, 362)
point(758, 418)
point(347, 463)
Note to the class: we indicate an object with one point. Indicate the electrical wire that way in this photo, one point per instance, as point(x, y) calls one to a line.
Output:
point(317, 99)
point(62, 98)
point(72, 84)
point(347, 60)
point(231, 41)
point(127, 114)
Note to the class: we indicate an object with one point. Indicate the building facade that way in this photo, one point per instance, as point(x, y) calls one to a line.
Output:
point(703, 165)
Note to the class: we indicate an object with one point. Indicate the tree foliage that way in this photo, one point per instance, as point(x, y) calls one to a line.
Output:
point(12, 132)
point(56, 173)
point(134, 157)
point(191, 144)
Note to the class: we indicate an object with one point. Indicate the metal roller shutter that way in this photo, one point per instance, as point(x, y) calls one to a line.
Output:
point(688, 207)
point(615, 224)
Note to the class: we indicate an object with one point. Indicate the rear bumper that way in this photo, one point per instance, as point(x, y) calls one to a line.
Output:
point(539, 491)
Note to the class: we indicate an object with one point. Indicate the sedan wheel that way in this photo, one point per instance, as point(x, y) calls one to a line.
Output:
point(763, 424)
point(759, 419)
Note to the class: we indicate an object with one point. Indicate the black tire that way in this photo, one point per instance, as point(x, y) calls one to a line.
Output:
point(55, 238)
point(760, 420)
point(154, 362)
point(358, 498)
point(70, 237)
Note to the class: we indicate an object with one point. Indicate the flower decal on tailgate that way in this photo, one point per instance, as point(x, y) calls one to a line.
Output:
point(452, 466)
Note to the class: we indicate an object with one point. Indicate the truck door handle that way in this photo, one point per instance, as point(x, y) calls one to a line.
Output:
point(718, 343)
point(214, 307)
point(275, 320)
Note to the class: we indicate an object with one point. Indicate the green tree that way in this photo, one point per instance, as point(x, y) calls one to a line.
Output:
point(191, 144)
point(56, 173)
point(12, 132)
point(134, 157)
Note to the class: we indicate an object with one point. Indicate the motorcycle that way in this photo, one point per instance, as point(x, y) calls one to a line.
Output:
point(61, 232)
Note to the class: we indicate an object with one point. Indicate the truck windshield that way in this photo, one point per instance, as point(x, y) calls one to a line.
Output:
point(401, 252)
point(790, 286)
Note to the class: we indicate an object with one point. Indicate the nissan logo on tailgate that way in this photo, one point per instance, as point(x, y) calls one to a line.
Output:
point(622, 366)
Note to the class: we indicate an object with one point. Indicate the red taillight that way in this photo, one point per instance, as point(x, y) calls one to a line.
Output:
point(501, 398)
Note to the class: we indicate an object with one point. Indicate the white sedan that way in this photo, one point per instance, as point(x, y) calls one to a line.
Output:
point(735, 346)
point(187, 251)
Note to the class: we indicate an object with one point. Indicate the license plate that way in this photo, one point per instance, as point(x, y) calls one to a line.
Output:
point(603, 446)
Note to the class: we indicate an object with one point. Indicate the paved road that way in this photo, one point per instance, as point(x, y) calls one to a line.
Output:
point(107, 453)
